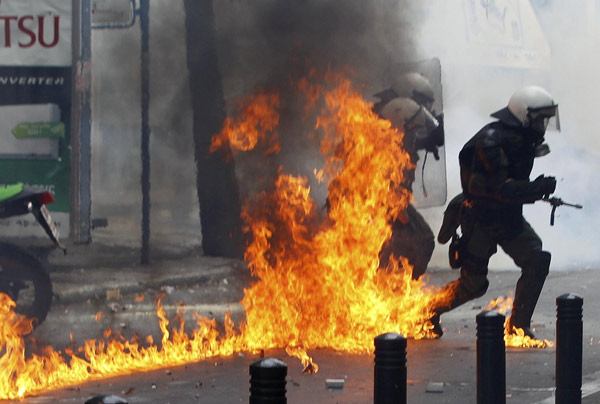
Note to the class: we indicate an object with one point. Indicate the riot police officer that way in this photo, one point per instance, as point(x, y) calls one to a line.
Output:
point(408, 105)
point(495, 165)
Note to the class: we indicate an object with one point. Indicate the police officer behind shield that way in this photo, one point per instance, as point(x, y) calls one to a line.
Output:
point(407, 104)
point(495, 165)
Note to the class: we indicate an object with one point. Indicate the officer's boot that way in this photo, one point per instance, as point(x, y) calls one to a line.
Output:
point(455, 294)
point(529, 287)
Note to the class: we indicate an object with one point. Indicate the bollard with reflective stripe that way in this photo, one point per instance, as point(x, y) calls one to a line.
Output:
point(491, 358)
point(267, 381)
point(390, 369)
point(569, 348)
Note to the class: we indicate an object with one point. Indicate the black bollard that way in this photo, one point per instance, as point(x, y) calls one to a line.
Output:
point(491, 358)
point(390, 369)
point(569, 348)
point(267, 381)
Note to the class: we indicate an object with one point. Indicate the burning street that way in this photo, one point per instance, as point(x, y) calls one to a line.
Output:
point(313, 192)
point(449, 360)
point(318, 283)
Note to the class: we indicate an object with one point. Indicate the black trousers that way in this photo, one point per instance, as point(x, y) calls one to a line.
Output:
point(524, 246)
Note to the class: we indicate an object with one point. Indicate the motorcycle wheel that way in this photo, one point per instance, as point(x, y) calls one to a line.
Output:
point(24, 278)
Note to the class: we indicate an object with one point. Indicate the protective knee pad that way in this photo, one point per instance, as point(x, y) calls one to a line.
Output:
point(542, 265)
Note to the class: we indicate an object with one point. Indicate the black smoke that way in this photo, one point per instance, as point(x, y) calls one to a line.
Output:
point(263, 44)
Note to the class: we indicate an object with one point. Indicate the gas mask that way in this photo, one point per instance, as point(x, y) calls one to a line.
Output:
point(538, 120)
point(421, 124)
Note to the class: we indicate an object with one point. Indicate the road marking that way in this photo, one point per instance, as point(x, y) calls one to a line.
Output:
point(531, 389)
point(149, 310)
point(587, 389)
point(200, 308)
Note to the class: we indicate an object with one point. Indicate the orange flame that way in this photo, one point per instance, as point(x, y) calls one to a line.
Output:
point(98, 358)
point(501, 304)
point(257, 123)
point(319, 283)
point(516, 337)
point(319, 280)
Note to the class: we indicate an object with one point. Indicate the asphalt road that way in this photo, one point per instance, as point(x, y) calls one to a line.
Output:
point(447, 364)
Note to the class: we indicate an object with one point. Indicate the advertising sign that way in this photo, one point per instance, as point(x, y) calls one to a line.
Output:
point(495, 33)
point(35, 32)
point(506, 32)
point(35, 96)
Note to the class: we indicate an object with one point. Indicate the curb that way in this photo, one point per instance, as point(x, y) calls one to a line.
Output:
point(78, 285)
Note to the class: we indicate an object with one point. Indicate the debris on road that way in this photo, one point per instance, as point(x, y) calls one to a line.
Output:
point(434, 387)
point(106, 399)
point(334, 384)
point(113, 294)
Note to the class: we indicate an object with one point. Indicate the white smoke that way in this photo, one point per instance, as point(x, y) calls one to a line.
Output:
point(116, 131)
point(566, 61)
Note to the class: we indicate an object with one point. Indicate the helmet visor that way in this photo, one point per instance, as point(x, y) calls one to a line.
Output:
point(543, 116)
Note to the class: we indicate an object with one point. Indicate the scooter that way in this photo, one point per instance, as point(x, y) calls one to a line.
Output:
point(23, 276)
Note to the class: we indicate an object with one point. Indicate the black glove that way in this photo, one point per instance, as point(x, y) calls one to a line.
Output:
point(545, 185)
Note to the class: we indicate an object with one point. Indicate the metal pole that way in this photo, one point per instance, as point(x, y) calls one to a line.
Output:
point(390, 369)
point(81, 123)
point(267, 381)
point(491, 358)
point(145, 73)
point(569, 348)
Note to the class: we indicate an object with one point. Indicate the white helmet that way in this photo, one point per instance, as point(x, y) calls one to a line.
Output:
point(416, 86)
point(530, 107)
point(408, 116)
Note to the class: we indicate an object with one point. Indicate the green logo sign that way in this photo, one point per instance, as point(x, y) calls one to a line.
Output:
point(39, 129)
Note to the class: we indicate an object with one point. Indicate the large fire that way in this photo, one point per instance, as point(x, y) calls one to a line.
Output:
point(320, 285)
point(319, 282)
